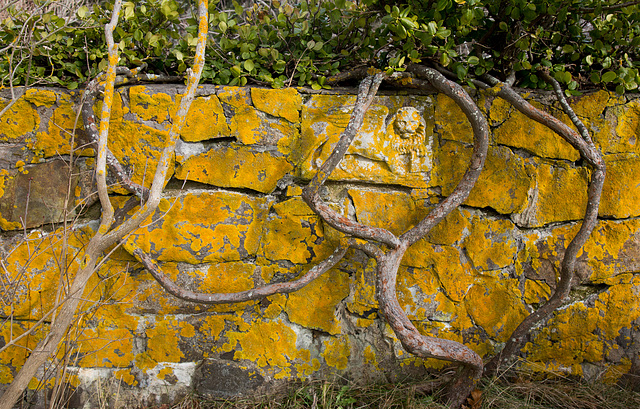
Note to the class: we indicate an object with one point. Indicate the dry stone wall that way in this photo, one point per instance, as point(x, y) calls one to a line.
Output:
point(232, 219)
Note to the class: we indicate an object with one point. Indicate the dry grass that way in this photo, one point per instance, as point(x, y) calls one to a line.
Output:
point(557, 393)
point(519, 393)
point(326, 395)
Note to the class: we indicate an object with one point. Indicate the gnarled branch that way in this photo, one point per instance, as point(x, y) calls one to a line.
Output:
point(583, 143)
point(242, 296)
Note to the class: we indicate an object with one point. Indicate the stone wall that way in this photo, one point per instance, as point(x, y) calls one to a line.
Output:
point(232, 218)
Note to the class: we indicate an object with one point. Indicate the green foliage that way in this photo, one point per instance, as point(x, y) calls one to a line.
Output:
point(281, 43)
point(580, 42)
point(45, 48)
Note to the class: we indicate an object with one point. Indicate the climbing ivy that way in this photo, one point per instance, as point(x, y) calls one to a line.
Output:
point(582, 43)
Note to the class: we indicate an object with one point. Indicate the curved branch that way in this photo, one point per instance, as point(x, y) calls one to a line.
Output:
point(105, 238)
point(478, 157)
point(157, 185)
point(310, 193)
point(594, 158)
point(572, 137)
point(96, 87)
point(248, 295)
point(565, 106)
point(606, 8)
point(420, 345)
point(389, 262)
point(90, 95)
point(65, 315)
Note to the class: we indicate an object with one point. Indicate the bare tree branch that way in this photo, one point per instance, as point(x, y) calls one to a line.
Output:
point(593, 157)
point(480, 148)
point(104, 238)
point(310, 193)
point(248, 295)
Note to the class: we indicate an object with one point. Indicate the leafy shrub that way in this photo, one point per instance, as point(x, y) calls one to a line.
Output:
point(301, 43)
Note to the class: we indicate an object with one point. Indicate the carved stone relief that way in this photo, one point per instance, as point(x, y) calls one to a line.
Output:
point(412, 148)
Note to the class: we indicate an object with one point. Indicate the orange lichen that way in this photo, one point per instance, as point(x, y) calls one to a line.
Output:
point(162, 345)
point(267, 343)
point(285, 103)
point(314, 306)
point(337, 351)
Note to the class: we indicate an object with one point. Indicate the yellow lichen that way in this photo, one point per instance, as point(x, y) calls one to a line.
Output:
point(206, 227)
point(285, 103)
point(496, 306)
point(141, 157)
point(149, 105)
point(187, 330)
point(56, 140)
point(396, 212)
point(454, 274)
point(452, 121)
point(267, 343)
point(503, 184)
point(621, 190)
point(627, 129)
point(162, 345)
point(126, 376)
point(490, 244)
point(449, 230)
point(362, 300)
point(205, 120)
point(41, 97)
point(568, 340)
point(561, 195)
point(164, 372)
point(18, 121)
point(294, 233)
point(236, 166)
point(520, 132)
point(337, 351)
point(370, 357)
point(314, 306)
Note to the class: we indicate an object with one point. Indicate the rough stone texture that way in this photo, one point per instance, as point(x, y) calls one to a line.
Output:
point(224, 379)
point(232, 219)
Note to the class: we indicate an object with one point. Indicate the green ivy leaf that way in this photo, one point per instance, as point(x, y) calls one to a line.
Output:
point(609, 76)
